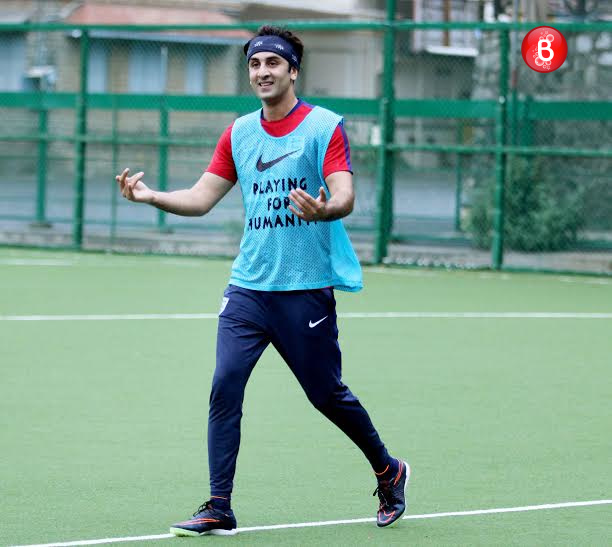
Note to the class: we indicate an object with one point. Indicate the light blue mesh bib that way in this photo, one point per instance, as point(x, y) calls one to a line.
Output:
point(279, 251)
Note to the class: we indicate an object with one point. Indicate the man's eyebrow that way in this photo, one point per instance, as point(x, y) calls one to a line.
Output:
point(268, 58)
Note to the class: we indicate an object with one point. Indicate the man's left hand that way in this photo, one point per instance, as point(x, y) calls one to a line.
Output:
point(306, 207)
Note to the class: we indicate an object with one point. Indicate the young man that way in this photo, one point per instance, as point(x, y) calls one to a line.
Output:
point(293, 253)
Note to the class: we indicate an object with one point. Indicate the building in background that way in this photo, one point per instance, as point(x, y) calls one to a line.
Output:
point(26, 59)
point(172, 62)
point(430, 64)
point(191, 63)
point(199, 63)
point(338, 64)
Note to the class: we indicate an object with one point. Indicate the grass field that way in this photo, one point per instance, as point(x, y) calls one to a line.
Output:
point(103, 419)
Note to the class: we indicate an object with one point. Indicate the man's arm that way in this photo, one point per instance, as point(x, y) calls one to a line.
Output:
point(195, 201)
point(339, 205)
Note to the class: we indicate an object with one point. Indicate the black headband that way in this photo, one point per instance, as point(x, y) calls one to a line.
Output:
point(274, 44)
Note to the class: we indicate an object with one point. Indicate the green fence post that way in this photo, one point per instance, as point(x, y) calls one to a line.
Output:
point(80, 148)
point(163, 161)
point(384, 187)
point(115, 163)
point(41, 187)
point(500, 155)
point(380, 248)
point(458, 178)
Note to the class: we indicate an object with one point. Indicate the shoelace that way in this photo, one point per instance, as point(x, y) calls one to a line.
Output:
point(206, 505)
point(381, 490)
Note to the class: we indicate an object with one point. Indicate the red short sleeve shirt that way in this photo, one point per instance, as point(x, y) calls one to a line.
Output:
point(337, 157)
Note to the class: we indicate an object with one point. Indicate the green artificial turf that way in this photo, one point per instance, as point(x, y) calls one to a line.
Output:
point(102, 423)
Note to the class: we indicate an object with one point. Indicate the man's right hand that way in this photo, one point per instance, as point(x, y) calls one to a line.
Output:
point(133, 188)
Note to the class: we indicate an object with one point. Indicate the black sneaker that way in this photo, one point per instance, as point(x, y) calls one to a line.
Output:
point(392, 496)
point(207, 520)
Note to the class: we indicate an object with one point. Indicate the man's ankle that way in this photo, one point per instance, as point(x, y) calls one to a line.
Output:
point(221, 502)
point(389, 471)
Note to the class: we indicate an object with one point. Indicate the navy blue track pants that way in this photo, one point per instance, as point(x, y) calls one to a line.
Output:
point(301, 325)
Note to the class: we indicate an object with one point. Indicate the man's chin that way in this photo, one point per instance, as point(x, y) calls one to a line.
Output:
point(269, 98)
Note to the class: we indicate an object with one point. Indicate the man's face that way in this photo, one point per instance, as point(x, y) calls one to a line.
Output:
point(269, 76)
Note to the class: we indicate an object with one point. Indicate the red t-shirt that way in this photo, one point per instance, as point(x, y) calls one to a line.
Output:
point(337, 157)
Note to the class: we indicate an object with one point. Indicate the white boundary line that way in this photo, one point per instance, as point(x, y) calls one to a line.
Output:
point(473, 315)
point(337, 522)
point(111, 317)
point(345, 315)
point(84, 263)
point(35, 262)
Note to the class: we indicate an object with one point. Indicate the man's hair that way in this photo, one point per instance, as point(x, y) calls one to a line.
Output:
point(269, 30)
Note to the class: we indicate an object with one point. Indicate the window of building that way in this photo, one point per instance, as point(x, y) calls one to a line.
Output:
point(195, 71)
point(148, 64)
point(12, 62)
point(97, 79)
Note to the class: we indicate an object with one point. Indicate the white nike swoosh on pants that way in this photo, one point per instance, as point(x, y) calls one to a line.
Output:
point(311, 324)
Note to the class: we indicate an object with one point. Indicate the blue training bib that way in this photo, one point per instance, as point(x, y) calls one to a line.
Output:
point(279, 251)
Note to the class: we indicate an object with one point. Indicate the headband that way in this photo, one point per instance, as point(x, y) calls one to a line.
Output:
point(275, 44)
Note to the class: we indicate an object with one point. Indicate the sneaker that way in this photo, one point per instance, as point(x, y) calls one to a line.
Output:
point(207, 520)
point(392, 496)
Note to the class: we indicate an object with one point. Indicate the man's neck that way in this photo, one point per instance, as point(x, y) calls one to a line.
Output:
point(277, 111)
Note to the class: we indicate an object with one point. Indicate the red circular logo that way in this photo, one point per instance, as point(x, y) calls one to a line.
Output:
point(544, 49)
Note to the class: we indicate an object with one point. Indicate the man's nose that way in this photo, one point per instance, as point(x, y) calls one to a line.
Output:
point(263, 71)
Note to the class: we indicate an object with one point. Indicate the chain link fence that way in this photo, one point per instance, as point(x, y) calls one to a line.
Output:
point(431, 143)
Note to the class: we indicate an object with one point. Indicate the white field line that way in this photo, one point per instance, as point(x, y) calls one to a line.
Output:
point(111, 317)
point(473, 315)
point(338, 522)
point(585, 281)
point(345, 315)
point(35, 262)
point(91, 262)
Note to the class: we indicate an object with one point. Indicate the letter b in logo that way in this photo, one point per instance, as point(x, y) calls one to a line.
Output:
point(544, 49)
point(544, 46)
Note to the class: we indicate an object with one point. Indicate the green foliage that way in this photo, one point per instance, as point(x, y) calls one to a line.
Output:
point(541, 213)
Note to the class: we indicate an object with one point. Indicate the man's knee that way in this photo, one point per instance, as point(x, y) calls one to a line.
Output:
point(326, 399)
point(321, 401)
point(227, 387)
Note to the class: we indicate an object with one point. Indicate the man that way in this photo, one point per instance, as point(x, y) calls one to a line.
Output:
point(293, 253)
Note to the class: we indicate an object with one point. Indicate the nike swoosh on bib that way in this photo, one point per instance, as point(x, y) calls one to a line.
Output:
point(263, 165)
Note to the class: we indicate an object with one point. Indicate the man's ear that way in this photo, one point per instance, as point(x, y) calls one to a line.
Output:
point(293, 73)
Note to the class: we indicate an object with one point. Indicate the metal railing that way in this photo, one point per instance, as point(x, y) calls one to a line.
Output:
point(502, 129)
